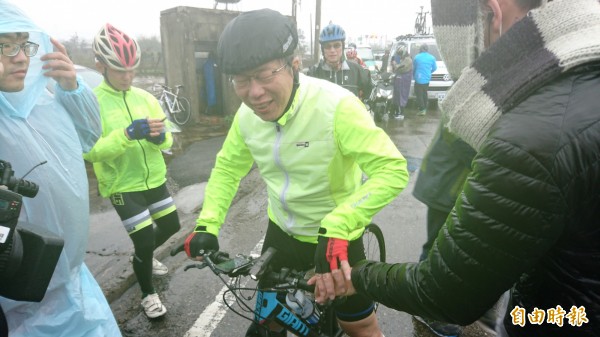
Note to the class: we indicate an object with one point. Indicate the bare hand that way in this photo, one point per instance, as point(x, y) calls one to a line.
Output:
point(60, 67)
point(330, 285)
point(156, 125)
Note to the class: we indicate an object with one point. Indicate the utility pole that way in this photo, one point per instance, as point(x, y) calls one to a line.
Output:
point(294, 10)
point(311, 37)
point(316, 48)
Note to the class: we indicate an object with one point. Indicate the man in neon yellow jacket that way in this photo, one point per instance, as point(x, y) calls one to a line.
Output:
point(311, 140)
point(128, 161)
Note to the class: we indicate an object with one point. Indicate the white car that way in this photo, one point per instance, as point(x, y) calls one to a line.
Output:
point(440, 80)
point(366, 54)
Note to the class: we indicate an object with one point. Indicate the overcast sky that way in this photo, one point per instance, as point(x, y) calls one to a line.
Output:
point(65, 18)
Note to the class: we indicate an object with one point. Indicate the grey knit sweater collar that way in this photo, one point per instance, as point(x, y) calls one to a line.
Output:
point(548, 42)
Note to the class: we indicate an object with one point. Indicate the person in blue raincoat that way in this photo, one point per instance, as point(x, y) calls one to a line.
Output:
point(210, 83)
point(36, 126)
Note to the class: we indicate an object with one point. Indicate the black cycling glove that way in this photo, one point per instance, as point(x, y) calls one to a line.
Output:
point(200, 241)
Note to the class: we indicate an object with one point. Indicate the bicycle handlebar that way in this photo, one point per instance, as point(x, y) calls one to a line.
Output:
point(167, 88)
point(244, 265)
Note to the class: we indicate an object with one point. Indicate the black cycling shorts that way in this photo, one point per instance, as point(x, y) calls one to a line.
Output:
point(138, 209)
point(298, 255)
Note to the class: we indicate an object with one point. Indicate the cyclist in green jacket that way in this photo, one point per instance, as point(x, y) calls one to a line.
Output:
point(311, 140)
point(128, 161)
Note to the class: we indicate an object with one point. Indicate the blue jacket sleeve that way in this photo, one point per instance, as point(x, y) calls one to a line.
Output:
point(82, 106)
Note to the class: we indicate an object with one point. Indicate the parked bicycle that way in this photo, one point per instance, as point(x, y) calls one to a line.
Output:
point(286, 298)
point(421, 23)
point(177, 108)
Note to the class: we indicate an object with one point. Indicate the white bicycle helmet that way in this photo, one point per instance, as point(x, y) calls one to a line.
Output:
point(116, 49)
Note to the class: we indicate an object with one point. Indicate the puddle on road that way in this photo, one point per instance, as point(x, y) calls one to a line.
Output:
point(411, 125)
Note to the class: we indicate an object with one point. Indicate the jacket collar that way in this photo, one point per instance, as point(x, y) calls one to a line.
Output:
point(107, 88)
point(296, 101)
point(326, 66)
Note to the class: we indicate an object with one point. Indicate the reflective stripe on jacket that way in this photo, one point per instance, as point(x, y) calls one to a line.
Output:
point(120, 164)
point(311, 161)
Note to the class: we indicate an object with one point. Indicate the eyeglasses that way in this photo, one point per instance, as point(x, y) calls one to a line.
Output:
point(332, 45)
point(12, 49)
point(262, 78)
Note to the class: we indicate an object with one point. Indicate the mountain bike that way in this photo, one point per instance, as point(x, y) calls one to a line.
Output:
point(177, 108)
point(285, 298)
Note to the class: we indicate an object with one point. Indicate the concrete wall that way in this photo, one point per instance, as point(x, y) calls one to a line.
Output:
point(188, 34)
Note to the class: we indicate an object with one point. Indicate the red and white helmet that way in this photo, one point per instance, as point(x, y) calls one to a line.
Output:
point(116, 49)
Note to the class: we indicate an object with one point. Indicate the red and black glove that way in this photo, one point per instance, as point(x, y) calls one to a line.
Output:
point(330, 252)
point(198, 242)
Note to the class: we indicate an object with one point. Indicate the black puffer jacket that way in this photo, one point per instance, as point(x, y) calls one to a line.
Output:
point(528, 216)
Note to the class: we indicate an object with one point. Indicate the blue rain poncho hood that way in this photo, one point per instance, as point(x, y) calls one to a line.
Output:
point(20, 103)
point(37, 126)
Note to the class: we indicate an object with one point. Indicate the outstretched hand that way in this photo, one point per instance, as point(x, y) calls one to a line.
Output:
point(60, 67)
point(332, 269)
point(334, 283)
point(328, 286)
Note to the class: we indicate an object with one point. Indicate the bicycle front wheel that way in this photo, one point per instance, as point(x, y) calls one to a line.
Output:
point(183, 115)
point(374, 243)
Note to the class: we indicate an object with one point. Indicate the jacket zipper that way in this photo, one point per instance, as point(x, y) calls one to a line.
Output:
point(140, 143)
point(277, 156)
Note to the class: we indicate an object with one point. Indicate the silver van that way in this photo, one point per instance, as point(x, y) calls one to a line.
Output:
point(440, 79)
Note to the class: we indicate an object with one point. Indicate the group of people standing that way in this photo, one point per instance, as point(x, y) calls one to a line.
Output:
point(405, 70)
point(352, 74)
point(520, 204)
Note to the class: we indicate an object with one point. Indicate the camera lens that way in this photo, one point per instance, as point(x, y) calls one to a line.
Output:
point(21, 186)
point(24, 187)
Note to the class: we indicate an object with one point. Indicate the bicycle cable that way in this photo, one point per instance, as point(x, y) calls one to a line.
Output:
point(239, 299)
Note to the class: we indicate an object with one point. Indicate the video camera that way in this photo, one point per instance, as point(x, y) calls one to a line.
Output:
point(27, 259)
